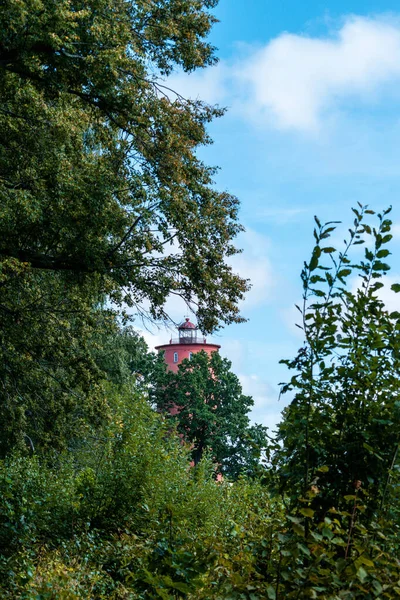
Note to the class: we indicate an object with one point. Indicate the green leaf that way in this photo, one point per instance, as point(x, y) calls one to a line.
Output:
point(380, 266)
point(368, 447)
point(304, 549)
point(395, 287)
point(327, 532)
point(307, 512)
point(271, 593)
point(344, 273)
point(386, 238)
point(294, 519)
point(316, 279)
point(365, 561)
point(369, 255)
point(382, 253)
point(299, 529)
point(179, 585)
point(377, 286)
point(362, 574)
point(338, 541)
point(314, 259)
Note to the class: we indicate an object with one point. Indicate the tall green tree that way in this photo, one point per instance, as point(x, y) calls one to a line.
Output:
point(98, 169)
point(205, 401)
point(341, 433)
point(101, 195)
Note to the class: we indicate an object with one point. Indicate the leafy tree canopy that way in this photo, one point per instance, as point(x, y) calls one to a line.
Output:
point(102, 196)
point(341, 432)
point(205, 400)
point(98, 172)
point(122, 515)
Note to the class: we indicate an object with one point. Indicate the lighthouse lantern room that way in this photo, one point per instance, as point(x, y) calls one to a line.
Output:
point(187, 332)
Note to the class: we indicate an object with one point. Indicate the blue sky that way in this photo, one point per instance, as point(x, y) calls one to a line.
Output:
point(313, 127)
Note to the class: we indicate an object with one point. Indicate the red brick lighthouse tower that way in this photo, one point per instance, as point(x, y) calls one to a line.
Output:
point(189, 342)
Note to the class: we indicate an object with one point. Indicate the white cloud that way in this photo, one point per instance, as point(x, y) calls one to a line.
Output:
point(296, 79)
point(299, 82)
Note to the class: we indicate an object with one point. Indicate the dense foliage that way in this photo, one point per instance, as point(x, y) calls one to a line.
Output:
point(346, 382)
point(103, 201)
point(205, 400)
point(123, 515)
point(101, 196)
point(98, 171)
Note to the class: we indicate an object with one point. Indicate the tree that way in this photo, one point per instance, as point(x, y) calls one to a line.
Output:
point(102, 196)
point(98, 172)
point(205, 400)
point(340, 435)
point(123, 356)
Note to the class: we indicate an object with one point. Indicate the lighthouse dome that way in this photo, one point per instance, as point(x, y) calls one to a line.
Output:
point(187, 324)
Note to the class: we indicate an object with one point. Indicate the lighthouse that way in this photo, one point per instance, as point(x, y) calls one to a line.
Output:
point(188, 342)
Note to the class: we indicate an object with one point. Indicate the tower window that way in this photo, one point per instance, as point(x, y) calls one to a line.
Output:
point(190, 355)
point(175, 357)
